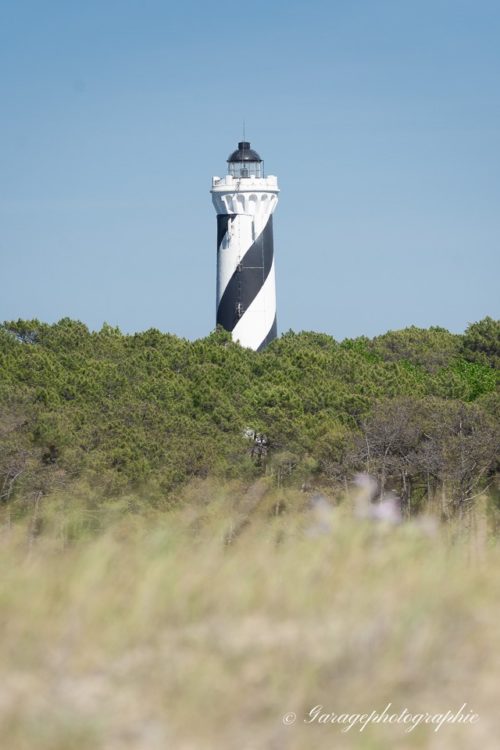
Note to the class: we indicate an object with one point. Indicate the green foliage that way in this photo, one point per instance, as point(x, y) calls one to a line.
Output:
point(150, 408)
point(431, 348)
point(481, 342)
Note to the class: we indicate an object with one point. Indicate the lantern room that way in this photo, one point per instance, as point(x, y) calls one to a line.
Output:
point(245, 162)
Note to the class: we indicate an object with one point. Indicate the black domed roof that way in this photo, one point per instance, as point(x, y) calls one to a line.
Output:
point(244, 153)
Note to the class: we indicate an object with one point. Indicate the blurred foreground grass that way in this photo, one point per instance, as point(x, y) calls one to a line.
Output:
point(200, 625)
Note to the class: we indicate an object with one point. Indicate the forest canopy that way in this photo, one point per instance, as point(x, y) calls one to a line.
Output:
point(417, 408)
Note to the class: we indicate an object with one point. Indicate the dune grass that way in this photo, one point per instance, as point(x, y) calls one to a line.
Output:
point(198, 626)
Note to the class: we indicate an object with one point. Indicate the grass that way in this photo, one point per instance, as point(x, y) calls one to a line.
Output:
point(199, 626)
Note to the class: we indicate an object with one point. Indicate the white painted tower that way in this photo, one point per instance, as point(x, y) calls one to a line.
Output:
point(246, 291)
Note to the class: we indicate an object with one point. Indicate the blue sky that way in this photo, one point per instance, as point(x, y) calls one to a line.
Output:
point(380, 118)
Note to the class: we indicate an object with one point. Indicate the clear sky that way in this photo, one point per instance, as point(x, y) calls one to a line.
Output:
point(381, 119)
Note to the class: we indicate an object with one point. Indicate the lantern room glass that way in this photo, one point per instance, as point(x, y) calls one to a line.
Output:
point(239, 169)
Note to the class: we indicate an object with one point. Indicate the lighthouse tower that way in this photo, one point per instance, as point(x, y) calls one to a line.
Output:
point(246, 292)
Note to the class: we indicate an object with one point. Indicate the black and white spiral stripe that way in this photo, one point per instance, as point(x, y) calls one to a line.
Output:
point(246, 296)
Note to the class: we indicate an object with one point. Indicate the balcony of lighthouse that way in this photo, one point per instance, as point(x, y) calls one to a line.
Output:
point(255, 197)
point(229, 182)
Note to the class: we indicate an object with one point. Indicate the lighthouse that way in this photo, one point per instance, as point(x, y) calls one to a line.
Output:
point(246, 289)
